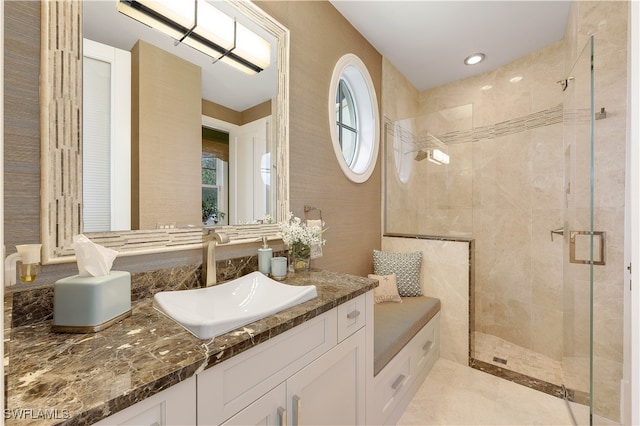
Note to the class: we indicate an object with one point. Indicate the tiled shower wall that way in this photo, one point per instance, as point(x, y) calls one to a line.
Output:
point(503, 187)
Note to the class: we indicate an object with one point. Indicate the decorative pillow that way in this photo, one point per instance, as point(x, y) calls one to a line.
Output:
point(387, 291)
point(406, 267)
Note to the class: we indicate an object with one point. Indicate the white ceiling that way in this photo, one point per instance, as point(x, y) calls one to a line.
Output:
point(427, 40)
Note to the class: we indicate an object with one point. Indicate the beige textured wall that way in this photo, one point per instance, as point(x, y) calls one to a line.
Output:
point(21, 124)
point(167, 146)
point(214, 110)
point(319, 37)
point(256, 112)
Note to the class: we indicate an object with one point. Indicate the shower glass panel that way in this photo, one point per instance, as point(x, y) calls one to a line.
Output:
point(592, 364)
point(578, 223)
point(428, 174)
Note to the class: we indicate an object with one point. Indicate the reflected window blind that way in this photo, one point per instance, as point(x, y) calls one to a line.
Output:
point(216, 143)
point(96, 154)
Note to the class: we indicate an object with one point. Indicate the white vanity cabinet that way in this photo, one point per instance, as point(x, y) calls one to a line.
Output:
point(330, 391)
point(173, 406)
point(269, 409)
point(312, 374)
point(303, 376)
point(326, 392)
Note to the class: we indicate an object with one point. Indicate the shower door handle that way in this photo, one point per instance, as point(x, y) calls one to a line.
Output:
point(587, 247)
point(558, 231)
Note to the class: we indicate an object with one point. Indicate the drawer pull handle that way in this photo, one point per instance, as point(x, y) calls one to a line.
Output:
point(297, 408)
point(399, 382)
point(427, 346)
point(282, 413)
point(353, 314)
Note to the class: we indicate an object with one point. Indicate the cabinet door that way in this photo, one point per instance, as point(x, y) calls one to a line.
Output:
point(173, 406)
point(227, 388)
point(330, 390)
point(270, 409)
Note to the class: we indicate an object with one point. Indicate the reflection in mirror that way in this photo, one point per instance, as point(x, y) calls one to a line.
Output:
point(167, 96)
point(146, 163)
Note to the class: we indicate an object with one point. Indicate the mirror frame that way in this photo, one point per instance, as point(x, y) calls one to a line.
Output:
point(61, 143)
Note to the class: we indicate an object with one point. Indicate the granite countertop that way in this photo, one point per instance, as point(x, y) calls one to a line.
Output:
point(74, 379)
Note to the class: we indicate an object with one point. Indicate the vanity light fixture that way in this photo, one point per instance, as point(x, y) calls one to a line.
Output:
point(474, 59)
point(200, 25)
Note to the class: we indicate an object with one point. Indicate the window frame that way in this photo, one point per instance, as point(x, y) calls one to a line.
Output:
point(354, 73)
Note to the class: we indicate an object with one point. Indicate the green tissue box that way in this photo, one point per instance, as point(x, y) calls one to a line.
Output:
point(90, 304)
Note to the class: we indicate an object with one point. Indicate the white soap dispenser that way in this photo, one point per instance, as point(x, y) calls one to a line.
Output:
point(264, 257)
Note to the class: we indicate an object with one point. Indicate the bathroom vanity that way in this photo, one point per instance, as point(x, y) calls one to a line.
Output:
point(306, 364)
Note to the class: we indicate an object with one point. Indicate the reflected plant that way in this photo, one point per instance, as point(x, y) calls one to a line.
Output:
point(210, 210)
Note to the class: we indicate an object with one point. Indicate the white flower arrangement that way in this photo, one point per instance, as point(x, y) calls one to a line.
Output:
point(268, 219)
point(299, 237)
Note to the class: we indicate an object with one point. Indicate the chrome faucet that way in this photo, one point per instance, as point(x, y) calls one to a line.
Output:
point(210, 240)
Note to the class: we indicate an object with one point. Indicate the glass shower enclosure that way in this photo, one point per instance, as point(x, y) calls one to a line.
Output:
point(526, 191)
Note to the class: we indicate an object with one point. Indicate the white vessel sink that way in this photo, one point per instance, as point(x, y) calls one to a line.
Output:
point(212, 311)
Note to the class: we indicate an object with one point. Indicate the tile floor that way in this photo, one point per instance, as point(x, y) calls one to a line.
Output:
point(455, 394)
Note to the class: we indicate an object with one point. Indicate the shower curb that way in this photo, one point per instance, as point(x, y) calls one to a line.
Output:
point(522, 379)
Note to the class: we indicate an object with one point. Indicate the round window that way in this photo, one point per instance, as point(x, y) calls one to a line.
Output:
point(353, 111)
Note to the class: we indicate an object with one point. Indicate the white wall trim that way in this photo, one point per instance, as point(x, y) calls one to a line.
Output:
point(631, 399)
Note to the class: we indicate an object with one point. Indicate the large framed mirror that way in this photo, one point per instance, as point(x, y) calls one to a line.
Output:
point(250, 111)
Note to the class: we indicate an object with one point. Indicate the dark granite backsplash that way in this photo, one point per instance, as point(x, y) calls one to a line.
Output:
point(34, 305)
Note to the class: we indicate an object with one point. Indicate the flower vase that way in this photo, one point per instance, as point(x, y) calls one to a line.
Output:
point(300, 263)
point(300, 256)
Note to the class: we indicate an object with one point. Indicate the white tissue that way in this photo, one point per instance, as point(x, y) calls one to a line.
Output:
point(93, 259)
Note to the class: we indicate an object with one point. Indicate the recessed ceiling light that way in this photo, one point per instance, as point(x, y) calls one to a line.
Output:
point(486, 87)
point(476, 58)
point(516, 79)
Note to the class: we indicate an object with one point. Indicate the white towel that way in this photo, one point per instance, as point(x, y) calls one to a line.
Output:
point(316, 249)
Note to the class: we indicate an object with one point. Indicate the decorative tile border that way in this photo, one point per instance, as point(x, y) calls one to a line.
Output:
point(547, 117)
point(135, 241)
